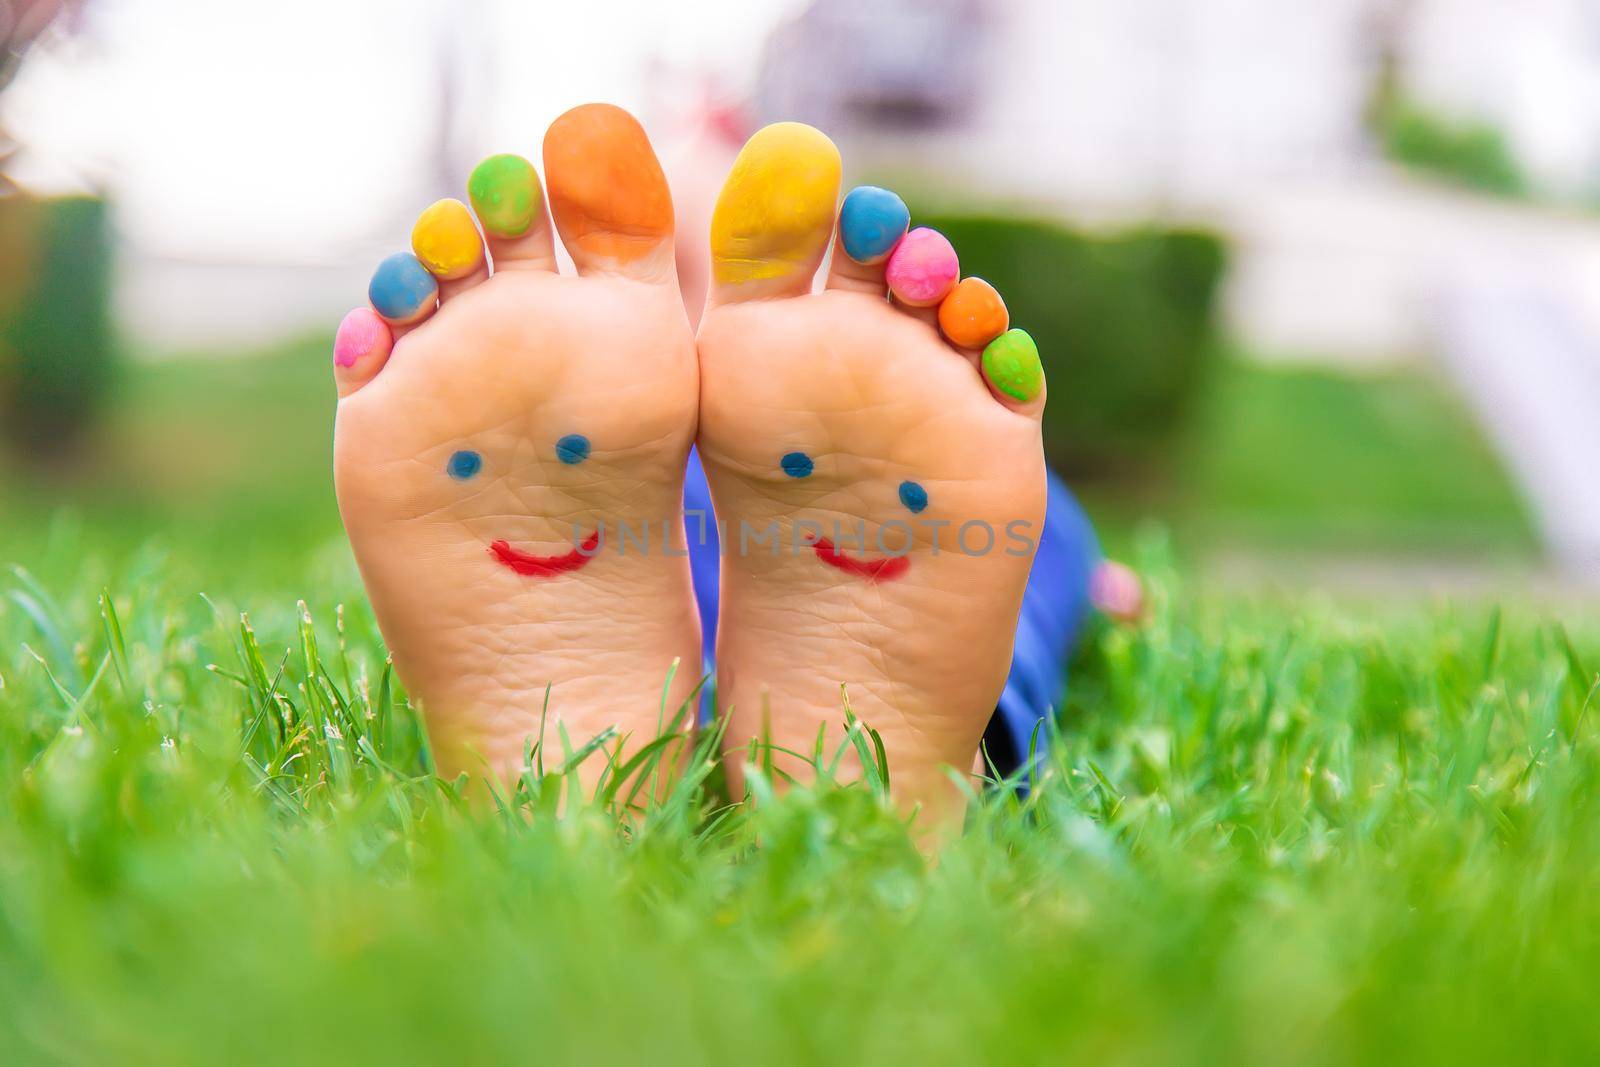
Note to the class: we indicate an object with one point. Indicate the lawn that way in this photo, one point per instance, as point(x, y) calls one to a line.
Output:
point(1270, 831)
point(1308, 457)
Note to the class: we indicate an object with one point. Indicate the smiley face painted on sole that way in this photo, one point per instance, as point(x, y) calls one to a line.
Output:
point(895, 560)
point(467, 464)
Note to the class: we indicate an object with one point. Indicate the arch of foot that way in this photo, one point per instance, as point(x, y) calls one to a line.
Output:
point(923, 271)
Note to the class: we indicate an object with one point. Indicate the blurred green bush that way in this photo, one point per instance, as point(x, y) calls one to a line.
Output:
point(56, 348)
point(1125, 323)
point(1473, 154)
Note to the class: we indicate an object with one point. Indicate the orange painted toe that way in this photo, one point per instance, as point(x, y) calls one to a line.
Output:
point(607, 191)
point(973, 314)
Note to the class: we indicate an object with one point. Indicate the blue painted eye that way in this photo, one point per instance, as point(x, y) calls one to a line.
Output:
point(464, 464)
point(573, 448)
point(797, 465)
point(913, 496)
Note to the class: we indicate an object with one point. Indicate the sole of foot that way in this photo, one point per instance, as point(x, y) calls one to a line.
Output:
point(874, 450)
point(498, 425)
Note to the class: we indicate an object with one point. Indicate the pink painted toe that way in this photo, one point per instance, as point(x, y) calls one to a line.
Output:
point(361, 332)
point(360, 349)
point(922, 268)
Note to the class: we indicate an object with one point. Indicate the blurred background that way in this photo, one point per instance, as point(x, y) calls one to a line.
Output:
point(1315, 283)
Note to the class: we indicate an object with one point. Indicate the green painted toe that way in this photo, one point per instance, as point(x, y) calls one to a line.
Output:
point(1011, 363)
point(506, 195)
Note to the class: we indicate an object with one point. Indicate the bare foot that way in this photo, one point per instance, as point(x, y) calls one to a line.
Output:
point(486, 453)
point(901, 472)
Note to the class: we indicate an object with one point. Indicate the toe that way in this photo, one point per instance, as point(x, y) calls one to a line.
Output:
point(973, 314)
point(446, 241)
point(402, 290)
point(775, 214)
point(506, 194)
point(1012, 368)
point(922, 269)
point(608, 193)
point(871, 222)
point(360, 349)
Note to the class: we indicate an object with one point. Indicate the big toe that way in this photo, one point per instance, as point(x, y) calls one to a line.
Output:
point(608, 193)
point(775, 214)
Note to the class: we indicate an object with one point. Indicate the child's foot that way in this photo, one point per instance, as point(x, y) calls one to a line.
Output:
point(487, 454)
point(828, 416)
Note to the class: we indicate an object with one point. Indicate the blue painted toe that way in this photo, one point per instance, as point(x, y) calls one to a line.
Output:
point(871, 221)
point(400, 287)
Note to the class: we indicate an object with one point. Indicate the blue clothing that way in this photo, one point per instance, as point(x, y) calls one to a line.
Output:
point(1053, 610)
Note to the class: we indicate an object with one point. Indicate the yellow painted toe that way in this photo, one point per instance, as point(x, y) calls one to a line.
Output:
point(446, 241)
point(776, 210)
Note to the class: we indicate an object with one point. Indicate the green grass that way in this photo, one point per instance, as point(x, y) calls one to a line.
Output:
point(222, 461)
point(1314, 458)
point(1270, 831)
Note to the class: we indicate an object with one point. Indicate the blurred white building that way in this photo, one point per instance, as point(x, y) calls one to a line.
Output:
point(1251, 115)
point(1139, 102)
point(1531, 67)
point(1131, 102)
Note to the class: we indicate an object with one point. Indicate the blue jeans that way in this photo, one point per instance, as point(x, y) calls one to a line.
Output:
point(1054, 608)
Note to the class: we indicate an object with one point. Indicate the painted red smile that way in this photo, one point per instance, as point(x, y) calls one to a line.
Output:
point(545, 566)
point(873, 570)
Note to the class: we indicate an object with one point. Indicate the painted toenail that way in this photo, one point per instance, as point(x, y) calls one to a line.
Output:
point(401, 287)
point(797, 465)
point(446, 241)
point(973, 314)
point(360, 332)
point(871, 221)
point(505, 193)
point(464, 464)
point(573, 448)
point(775, 214)
point(1011, 363)
point(922, 268)
point(607, 191)
point(913, 496)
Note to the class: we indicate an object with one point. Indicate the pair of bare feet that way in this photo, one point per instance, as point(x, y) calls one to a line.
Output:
point(510, 452)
